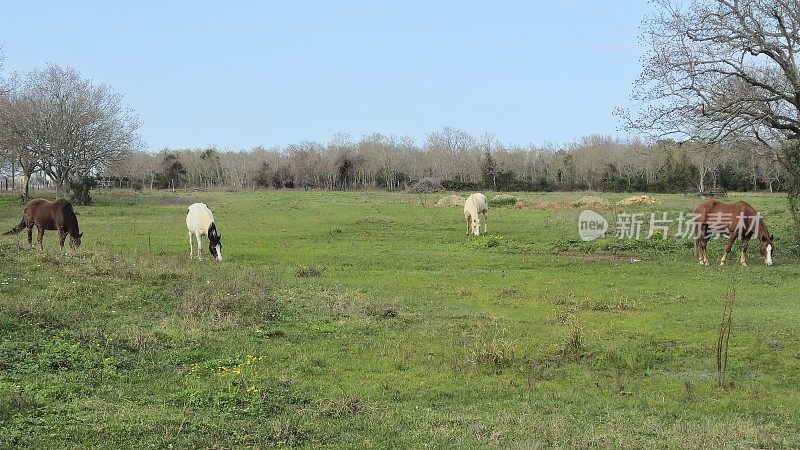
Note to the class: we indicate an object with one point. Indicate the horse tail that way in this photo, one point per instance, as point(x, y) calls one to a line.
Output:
point(16, 229)
point(696, 247)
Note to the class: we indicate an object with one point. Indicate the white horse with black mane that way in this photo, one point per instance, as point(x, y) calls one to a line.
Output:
point(475, 205)
point(200, 222)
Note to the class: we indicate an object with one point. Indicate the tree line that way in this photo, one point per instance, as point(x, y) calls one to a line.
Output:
point(460, 161)
point(62, 129)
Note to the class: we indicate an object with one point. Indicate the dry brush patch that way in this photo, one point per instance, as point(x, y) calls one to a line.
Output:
point(342, 304)
point(591, 201)
point(522, 203)
point(451, 200)
point(243, 299)
point(639, 200)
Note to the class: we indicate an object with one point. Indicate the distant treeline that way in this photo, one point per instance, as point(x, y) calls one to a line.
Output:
point(460, 162)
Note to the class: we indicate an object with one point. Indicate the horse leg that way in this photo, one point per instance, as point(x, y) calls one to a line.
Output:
point(485, 225)
point(199, 246)
point(698, 243)
point(703, 251)
point(743, 253)
point(698, 249)
point(62, 236)
point(469, 228)
point(704, 244)
point(30, 235)
point(731, 240)
point(191, 253)
point(40, 237)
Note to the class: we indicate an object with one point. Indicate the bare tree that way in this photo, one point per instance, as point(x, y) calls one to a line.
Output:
point(630, 161)
point(707, 158)
point(725, 70)
point(17, 135)
point(721, 68)
point(453, 150)
point(76, 127)
point(143, 168)
point(304, 164)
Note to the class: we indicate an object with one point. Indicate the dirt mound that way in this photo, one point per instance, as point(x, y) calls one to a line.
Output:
point(451, 200)
point(503, 200)
point(639, 200)
point(542, 204)
point(590, 200)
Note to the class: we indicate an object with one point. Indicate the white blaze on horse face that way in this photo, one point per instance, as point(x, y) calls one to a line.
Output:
point(769, 255)
point(219, 253)
point(476, 227)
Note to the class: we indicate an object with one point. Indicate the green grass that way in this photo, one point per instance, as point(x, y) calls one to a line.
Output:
point(370, 320)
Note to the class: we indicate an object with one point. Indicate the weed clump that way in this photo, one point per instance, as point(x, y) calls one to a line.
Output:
point(573, 344)
point(308, 271)
point(489, 346)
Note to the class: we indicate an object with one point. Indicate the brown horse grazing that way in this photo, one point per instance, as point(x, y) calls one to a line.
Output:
point(735, 220)
point(47, 215)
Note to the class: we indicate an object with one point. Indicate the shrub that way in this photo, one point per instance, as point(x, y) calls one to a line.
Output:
point(502, 200)
point(426, 185)
point(80, 188)
point(456, 185)
point(264, 176)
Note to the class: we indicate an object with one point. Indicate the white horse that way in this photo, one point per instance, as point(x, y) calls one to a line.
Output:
point(200, 222)
point(476, 204)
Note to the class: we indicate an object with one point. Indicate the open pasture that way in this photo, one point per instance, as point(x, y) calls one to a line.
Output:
point(370, 320)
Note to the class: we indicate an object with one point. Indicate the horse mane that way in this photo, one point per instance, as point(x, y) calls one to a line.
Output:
point(71, 219)
point(212, 234)
point(763, 233)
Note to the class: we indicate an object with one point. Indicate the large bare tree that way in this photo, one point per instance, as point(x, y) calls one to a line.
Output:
point(718, 69)
point(76, 127)
point(724, 70)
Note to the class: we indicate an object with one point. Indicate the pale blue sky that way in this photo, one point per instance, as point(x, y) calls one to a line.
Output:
point(241, 74)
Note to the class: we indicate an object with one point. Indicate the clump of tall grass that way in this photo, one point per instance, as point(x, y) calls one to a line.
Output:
point(573, 344)
point(489, 345)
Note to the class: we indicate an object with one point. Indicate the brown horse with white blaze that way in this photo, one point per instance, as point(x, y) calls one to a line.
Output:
point(736, 221)
point(47, 215)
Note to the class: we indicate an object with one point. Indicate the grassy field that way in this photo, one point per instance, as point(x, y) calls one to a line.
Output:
point(371, 320)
